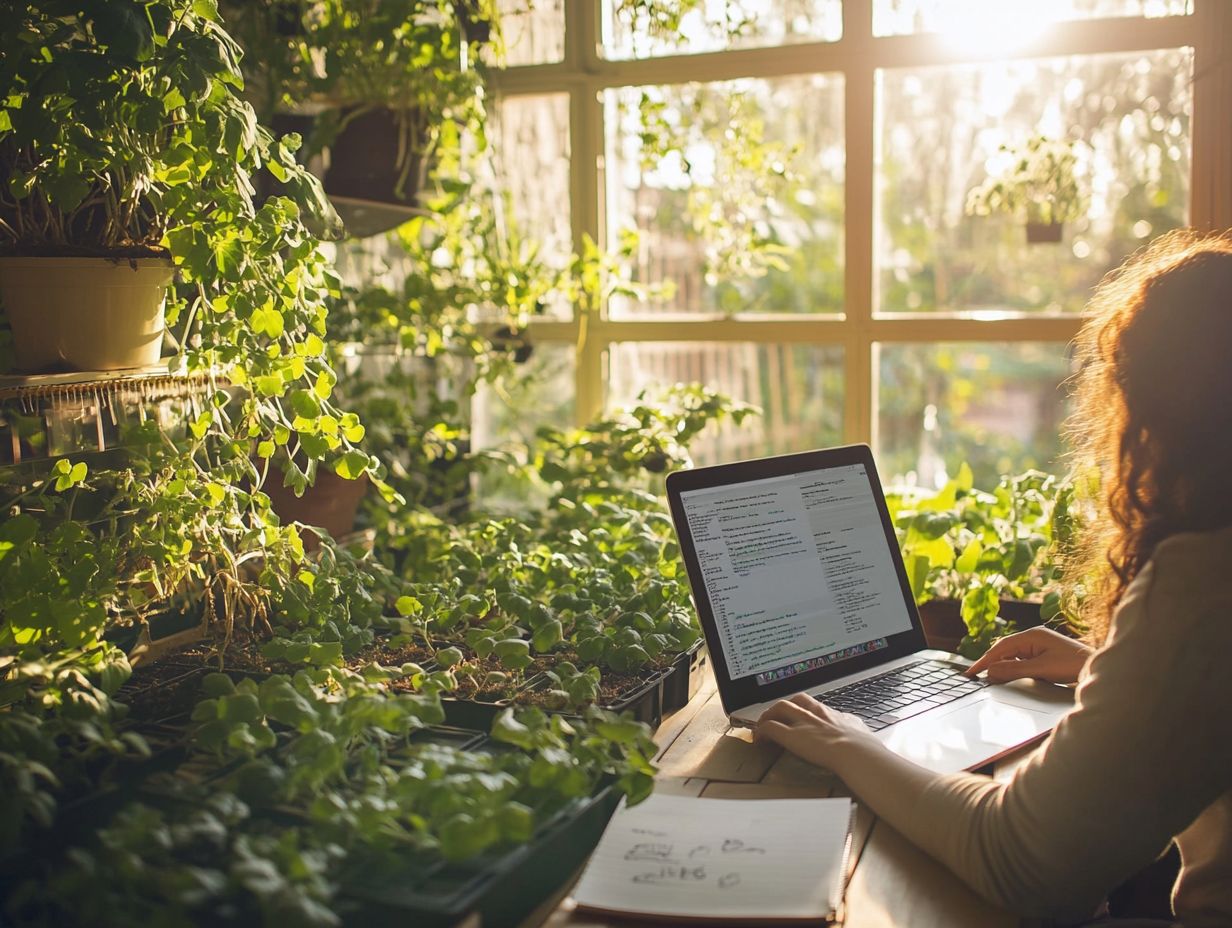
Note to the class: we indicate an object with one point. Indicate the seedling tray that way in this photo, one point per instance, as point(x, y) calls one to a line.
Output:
point(502, 887)
point(645, 703)
point(688, 671)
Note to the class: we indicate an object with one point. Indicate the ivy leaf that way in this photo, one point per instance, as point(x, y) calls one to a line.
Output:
point(352, 465)
point(324, 385)
point(305, 404)
point(269, 385)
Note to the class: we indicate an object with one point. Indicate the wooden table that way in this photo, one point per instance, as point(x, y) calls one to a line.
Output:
point(892, 883)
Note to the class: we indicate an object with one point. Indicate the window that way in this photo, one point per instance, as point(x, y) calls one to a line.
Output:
point(839, 141)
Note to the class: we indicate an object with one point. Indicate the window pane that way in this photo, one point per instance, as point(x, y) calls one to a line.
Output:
point(967, 18)
point(716, 25)
point(533, 33)
point(997, 407)
point(532, 136)
point(743, 212)
point(798, 388)
point(1129, 118)
point(540, 393)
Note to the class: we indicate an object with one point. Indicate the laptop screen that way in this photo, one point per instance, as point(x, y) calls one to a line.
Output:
point(798, 568)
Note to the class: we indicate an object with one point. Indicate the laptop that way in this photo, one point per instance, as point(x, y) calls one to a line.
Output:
point(800, 587)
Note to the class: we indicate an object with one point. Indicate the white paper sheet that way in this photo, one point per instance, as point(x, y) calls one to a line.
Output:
point(712, 859)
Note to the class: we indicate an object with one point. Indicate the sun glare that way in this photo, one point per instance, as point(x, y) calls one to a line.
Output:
point(993, 27)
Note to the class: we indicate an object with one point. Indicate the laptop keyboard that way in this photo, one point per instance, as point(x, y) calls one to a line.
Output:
point(901, 693)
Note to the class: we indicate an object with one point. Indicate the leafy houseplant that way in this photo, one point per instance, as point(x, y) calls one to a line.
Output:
point(166, 525)
point(985, 554)
point(376, 88)
point(1038, 182)
point(104, 148)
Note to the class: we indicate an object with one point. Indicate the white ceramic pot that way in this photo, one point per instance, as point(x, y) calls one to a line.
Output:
point(85, 314)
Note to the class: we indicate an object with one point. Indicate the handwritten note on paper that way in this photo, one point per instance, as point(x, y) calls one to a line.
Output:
point(717, 859)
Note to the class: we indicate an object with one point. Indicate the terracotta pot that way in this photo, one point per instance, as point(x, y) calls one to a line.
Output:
point(944, 627)
point(85, 314)
point(1039, 233)
point(331, 503)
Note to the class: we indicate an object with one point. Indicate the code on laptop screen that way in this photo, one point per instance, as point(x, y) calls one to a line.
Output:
point(797, 569)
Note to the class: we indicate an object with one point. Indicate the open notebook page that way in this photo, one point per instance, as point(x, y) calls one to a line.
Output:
point(715, 859)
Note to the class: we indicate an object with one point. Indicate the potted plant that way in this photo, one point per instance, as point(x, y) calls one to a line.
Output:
point(105, 147)
point(378, 91)
point(981, 564)
point(174, 519)
point(1036, 181)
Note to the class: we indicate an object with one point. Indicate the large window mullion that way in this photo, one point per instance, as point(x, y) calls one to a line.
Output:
point(586, 140)
point(858, 115)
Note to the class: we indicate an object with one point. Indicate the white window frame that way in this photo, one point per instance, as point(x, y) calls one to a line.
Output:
point(584, 74)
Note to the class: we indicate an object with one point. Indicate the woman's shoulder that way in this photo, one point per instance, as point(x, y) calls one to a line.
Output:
point(1201, 559)
point(1188, 578)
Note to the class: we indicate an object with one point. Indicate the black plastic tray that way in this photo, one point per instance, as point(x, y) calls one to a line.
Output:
point(645, 704)
point(689, 669)
point(503, 888)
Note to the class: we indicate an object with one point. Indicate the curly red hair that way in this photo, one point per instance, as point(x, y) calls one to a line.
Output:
point(1153, 415)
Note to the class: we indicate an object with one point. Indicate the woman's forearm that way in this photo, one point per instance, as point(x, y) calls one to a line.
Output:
point(890, 785)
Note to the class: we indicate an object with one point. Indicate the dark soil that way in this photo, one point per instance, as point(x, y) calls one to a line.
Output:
point(172, 686)
point(161, 691)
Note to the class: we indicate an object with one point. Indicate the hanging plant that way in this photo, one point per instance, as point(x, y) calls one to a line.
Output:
point(1037, 182)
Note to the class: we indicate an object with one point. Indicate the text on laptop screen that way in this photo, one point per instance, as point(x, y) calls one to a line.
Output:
point(797, 570)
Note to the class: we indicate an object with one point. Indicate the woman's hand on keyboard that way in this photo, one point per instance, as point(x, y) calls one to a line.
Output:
point(1037, 653)
point(810, 730)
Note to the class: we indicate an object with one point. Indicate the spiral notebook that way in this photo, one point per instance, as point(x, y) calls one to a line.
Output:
point(730, 861)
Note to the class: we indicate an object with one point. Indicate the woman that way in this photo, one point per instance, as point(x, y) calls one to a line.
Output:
point(1145, 757)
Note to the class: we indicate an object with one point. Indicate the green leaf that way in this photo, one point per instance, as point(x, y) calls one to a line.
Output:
point(622, 731)
point(548, 635)
point(305, 404)
point(215, 685)
point(173, 100)
point(506, 728)
point(970, 557)
point(16, 532)
point(463, 836)
point(517, 822)
point(324, 385)
point(68, 474)
point(408, 605)
point(352, 465)
point(512, 647)
point(229, 255)
point(269, 385)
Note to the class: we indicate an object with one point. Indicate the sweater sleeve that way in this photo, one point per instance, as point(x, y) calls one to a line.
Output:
point(1144, 751)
